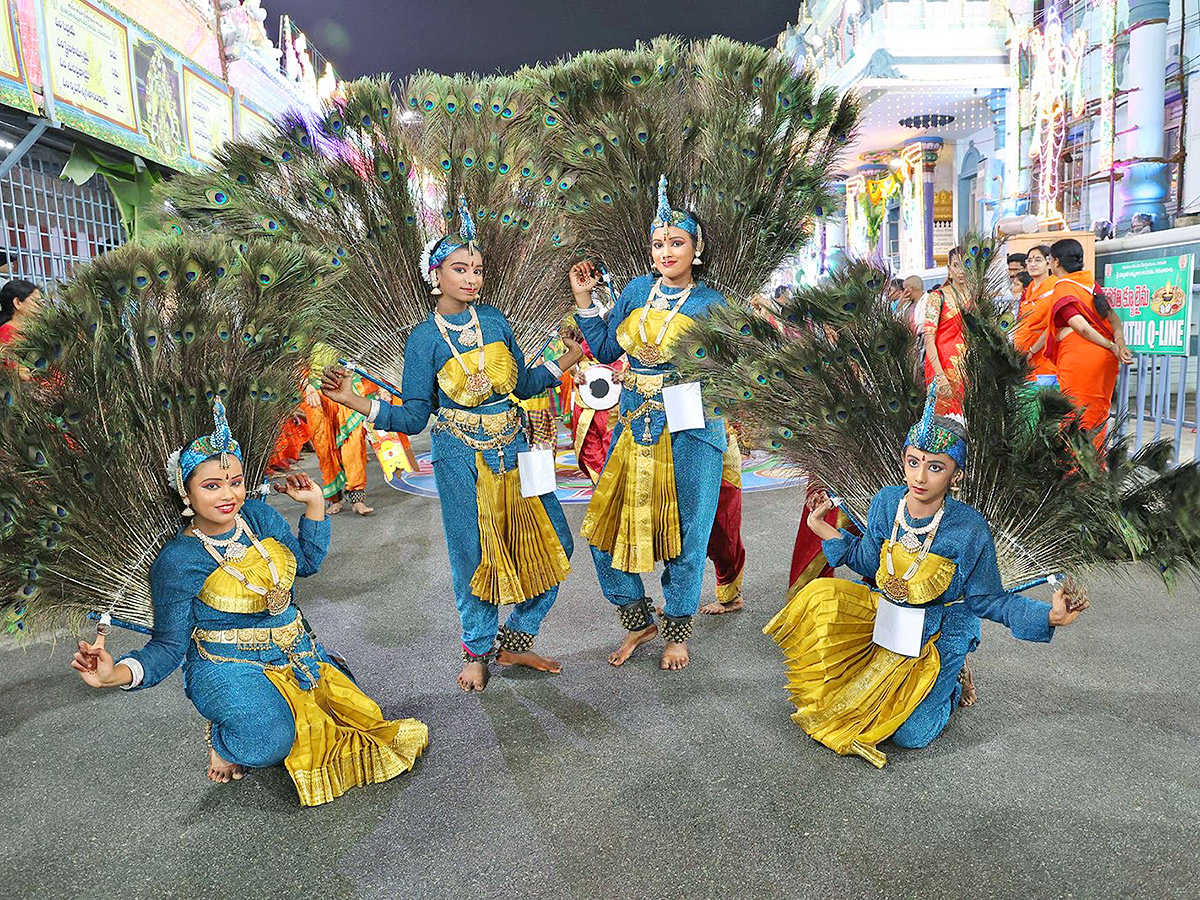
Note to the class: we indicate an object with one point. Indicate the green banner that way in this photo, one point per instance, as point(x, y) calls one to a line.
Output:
point(1153, 297)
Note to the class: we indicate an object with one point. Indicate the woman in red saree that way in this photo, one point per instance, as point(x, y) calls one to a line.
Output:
point(1033, 315)
point(1086, 342)
point(946, 336)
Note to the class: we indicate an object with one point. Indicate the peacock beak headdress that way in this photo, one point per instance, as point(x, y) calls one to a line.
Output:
point(437, 251)
point(665, 217)
point(220, 443)
point(939, 433)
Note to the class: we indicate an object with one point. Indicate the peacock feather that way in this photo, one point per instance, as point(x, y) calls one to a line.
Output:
point(838, 392)
point(125, 363)
point(745, 142)
point(369, 181)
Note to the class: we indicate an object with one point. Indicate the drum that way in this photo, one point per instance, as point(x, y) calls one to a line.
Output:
point(599, 388)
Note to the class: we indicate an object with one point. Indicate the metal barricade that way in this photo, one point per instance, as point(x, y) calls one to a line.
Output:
point(51, 225)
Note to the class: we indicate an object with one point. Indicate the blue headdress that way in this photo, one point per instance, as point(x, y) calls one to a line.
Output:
point(438, 250)
point(183, 462)
point(665, 217)
point(939, 433)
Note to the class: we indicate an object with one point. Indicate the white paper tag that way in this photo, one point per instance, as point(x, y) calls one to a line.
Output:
point(684, 407)
point(536, 468)
point(899, 628)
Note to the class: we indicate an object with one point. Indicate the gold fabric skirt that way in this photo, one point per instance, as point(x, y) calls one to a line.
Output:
point(634, 510)
point(850, 694)
point(342, 739)
point(522, 555)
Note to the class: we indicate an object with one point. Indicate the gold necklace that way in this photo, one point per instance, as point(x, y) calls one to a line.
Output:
point(897, 588)
point(478, 381)
point(651, 352)
point(277, 597)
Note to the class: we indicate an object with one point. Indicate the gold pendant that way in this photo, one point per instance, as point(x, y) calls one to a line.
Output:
point(895, 588)
point(479, 383)
point(651, 354)
point(278, 599)
point(235, 552)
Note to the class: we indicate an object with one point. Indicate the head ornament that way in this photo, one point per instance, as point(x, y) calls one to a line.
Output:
point(437, 250)
point(665, 217)
point(939, 433)
point(182, 463)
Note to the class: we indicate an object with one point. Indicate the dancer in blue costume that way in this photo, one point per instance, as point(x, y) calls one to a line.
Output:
point(223, 592)
point(463, 364)
point(934, 562)
point(657, 497)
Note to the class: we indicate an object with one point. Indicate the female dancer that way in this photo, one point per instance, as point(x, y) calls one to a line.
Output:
point(223, 591)
point(463, 363)
point(1033, 315)
point(931, 556)
point(1086, 342)
point(657, 496)
point(945, 334)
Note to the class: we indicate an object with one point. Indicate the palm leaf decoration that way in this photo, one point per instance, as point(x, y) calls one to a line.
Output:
point(745, 142)
point(125, 363)
point(839, 397)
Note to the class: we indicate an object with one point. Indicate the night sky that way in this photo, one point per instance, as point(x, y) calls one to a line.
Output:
point(365, 37)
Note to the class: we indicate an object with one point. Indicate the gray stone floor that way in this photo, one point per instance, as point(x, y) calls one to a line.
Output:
point(1076, 775)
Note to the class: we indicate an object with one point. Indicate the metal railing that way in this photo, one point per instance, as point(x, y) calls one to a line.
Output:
point(51, 225)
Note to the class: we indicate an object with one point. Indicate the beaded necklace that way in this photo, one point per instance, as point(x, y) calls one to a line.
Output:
point(478, 382)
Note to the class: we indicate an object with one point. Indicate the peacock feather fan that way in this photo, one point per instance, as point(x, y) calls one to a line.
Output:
point(340, 183)
point(473, 141)
point(745, 142)
point(124, 365)
point(838, 391)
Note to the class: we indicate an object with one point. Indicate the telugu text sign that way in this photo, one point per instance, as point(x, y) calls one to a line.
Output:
point(89, 61)
point(209, 113)
point(1153, 297)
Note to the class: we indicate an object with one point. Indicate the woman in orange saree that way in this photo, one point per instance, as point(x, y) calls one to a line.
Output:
point(1033, 315)
point(946, 336)
point(1086, 342)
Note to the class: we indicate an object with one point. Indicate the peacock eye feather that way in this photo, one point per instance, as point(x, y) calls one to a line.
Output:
point(189, 333)
point(150, 338)
point(191, 271)
point(269, 225)
point(163, 273)
point(266, 274)
point(216, 197)
point(450, 104)
point(141, 277)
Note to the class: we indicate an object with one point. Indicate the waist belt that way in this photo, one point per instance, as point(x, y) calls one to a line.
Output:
point(646, 385)
point(283, 636)
point(501, 427)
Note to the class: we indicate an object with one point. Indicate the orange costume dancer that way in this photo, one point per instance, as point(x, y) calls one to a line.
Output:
point(1086, 343)
point(1033, 323)
point(338, 437)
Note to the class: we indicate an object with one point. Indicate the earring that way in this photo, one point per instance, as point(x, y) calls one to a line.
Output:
point(956, 487)
point(437, 291)
point(187, 508)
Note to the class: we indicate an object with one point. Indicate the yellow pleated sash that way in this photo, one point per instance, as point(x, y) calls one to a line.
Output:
point(522, 555)
point(849, 693)
point(634, 510)
point(224, 592)
point(342, 739)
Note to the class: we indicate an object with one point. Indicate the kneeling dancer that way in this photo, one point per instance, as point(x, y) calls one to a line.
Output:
point(223, 592)
point(932, 557)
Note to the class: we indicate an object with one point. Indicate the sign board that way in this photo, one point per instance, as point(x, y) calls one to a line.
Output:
point(1153, 297)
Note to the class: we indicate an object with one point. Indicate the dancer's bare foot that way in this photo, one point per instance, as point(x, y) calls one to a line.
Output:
point(222, 772)
point(633, 640)
point(674, 657)
point(969, 694)
point(362, 509)
point(333, 508)
point(529, 659)
point(473, 677)
point(717, 608)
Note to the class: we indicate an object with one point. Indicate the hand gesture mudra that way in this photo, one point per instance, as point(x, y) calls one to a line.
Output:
point(585, 278)
point(337, 383)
